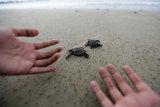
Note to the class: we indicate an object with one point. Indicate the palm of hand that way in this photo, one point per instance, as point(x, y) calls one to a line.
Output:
point(143, 99)
point(23, 58)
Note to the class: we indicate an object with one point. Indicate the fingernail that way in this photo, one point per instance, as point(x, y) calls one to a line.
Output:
point(126, 66)
point(101, 68)
point(57, 54)
point(61, 47)
point(35, 32)
point(93, 82)
point(109, 65)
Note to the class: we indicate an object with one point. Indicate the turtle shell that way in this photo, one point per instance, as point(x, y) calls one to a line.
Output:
point(78, 51)
point(93, 42)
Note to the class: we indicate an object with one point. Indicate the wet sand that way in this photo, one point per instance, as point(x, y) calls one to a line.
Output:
point(127, 37)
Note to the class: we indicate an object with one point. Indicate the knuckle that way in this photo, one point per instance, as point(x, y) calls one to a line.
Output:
point(109, 84)
point(118, 78)
point(27, 32)
point(135, 78)
point(45, 43)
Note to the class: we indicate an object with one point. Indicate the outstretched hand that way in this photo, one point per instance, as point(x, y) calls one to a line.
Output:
point(125, 97)
point(18, 57)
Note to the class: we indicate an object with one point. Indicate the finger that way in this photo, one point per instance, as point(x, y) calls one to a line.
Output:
point(114, 92)
point(124, 87)
point(46, 62)
point(37, 70)
point(44, 55)
point(136, 80)
point(45, 44)
point(25, 32)
point(105, 102)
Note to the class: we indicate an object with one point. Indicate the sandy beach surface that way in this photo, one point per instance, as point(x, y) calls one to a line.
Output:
point(127, 37)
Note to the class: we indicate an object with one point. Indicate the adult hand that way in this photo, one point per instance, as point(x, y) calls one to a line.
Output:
point(126, 97)
point(18, 57)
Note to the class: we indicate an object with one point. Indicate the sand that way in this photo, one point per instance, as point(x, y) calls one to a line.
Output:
point(127, 37)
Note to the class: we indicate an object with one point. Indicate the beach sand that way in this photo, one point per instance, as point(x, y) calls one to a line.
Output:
point(127, 37)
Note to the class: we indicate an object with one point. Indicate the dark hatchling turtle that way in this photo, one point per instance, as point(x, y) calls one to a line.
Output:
point(78, 52)
point(93, 43)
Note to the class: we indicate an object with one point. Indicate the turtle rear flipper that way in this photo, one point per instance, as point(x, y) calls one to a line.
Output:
point(86, 44)
point(68, 56)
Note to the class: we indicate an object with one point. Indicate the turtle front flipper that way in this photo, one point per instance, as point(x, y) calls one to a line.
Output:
point(100, 45)
point(86, 44)
point(68, 56)
point(92, 47)
point(86, 55)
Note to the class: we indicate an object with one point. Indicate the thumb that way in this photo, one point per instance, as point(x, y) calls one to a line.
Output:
point(25, 32)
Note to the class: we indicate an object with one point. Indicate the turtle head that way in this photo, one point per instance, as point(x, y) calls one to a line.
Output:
point(70, 50)
point(81, 48)
point(98, 40)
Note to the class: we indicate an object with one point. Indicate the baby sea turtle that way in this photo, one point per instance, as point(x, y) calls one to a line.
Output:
point(78, 52)
point(93, 43)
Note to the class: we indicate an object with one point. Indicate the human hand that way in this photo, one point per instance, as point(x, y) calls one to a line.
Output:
point(18, 57)
point(125, 97)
